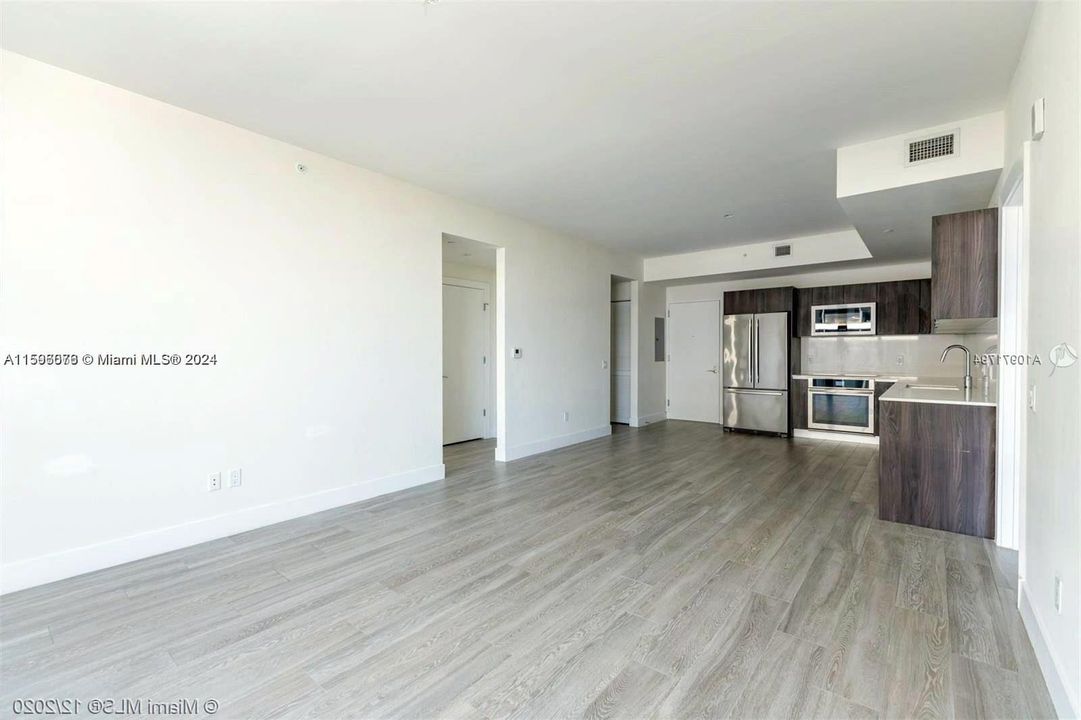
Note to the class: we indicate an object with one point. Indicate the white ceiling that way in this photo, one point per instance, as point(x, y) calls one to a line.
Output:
point(636, 124)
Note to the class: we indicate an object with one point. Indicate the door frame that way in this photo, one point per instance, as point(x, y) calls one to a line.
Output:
point(489, 426)
point(1012, 426)
point(668, 353)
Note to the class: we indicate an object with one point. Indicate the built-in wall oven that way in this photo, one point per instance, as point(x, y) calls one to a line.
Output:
point(841, 404)
point(846, 319)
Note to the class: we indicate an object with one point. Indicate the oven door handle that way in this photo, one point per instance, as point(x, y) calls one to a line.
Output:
point(824, 391)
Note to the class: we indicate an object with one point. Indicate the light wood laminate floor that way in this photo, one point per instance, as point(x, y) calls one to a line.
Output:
point(675, 571)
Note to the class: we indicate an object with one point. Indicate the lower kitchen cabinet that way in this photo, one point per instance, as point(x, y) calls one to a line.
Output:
point(937, 466)
point(797, 404)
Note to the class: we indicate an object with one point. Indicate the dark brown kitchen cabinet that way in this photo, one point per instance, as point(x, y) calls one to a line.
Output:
point(740, 302)
point(862, 293)
point(802, 327)
point(964, 265)
point(797, 404)
point(898, 309)
point(880, 387)
point(925, 307)
point(829, 295)
point(937, 466)
point(778, 299)
point(763, 300)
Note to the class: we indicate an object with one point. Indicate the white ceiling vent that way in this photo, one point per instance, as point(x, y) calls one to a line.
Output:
point(782, 250)
point(934, 147)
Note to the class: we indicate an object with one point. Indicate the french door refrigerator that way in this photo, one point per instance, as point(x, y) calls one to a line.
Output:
point(756, 370)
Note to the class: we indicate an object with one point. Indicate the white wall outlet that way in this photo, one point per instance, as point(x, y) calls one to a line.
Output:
point(517, 354)
point(604, 364)
point(900, 360)
point(1058, 594)
point(566, 416)
point(213, 481)
point(235, 477)
point(1032, 398)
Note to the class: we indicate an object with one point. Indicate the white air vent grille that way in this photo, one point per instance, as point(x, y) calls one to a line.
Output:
point(931, 148)
point(782, 250)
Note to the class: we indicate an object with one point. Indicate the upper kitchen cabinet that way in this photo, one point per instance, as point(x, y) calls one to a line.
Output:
point(740, 302)
point(964, 270)
point(830, 295)
point(898, 309)
point(804, 301)
point(863, 293)
point(778, 299)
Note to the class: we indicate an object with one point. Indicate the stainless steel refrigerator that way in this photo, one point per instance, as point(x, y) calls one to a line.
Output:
point(756, 371)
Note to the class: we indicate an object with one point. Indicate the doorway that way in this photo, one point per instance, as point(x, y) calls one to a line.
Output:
point(469, 278)
point(694, 351)
point(621, 355)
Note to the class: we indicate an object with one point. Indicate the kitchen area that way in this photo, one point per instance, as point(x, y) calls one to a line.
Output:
point(899, 364)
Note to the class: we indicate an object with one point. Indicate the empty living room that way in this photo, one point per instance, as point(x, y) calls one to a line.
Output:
point(496, 360)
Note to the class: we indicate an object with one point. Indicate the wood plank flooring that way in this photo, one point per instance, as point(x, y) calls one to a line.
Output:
point(674, 571)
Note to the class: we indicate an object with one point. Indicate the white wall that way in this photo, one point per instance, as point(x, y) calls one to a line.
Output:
point(484, 275)
point(131, 226)
point(880, 164)
point(1052, 499)
point(650, 402)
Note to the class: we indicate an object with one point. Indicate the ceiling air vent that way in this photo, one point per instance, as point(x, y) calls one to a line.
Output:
point(782, 250)
point(931, 148)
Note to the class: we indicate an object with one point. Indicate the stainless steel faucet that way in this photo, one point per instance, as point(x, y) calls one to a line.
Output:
point(968, 362)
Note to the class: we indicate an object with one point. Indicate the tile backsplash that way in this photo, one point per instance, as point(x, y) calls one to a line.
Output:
point(902, 354)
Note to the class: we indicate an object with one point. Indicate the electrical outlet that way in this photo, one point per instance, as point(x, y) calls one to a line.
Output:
point(900, 360)
point(213, 482)
point(604, 364)
point(1058, 594)
point(566, 416)
point(234, 478)
point(1032, 398)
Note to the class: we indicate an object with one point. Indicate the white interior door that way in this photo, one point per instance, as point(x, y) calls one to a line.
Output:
point(694, 351)
point(465, 332)
point(621, 361)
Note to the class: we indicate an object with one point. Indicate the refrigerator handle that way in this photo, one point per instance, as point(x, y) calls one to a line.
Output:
point(750, 350)
point(757, 357)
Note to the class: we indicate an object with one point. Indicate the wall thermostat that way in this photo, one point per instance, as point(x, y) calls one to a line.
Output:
point(517, 353)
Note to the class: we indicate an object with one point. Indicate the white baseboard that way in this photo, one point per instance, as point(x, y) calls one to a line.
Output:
point(68, 563)
point(1066, 705)
point(838, 436)
point(554, 443)
point(647, 419)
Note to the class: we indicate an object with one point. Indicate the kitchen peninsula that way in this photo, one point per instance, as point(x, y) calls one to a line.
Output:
point(937, 455)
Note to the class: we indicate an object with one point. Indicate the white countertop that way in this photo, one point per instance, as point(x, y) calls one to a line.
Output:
point(853, 376)
point(918, 390)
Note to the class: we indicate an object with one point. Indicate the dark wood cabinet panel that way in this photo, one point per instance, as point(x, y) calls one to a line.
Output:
point(778, 299)
point(828, 295)
point(862, 293)
point(925, 307)
point(880, 387)
point(898, 310)
point(964, 265)
point(937, 466)
point(739, 302)
point(797, 404)
point(803, 312)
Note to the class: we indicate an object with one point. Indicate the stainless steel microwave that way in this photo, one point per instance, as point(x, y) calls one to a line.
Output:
point(844, 319)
